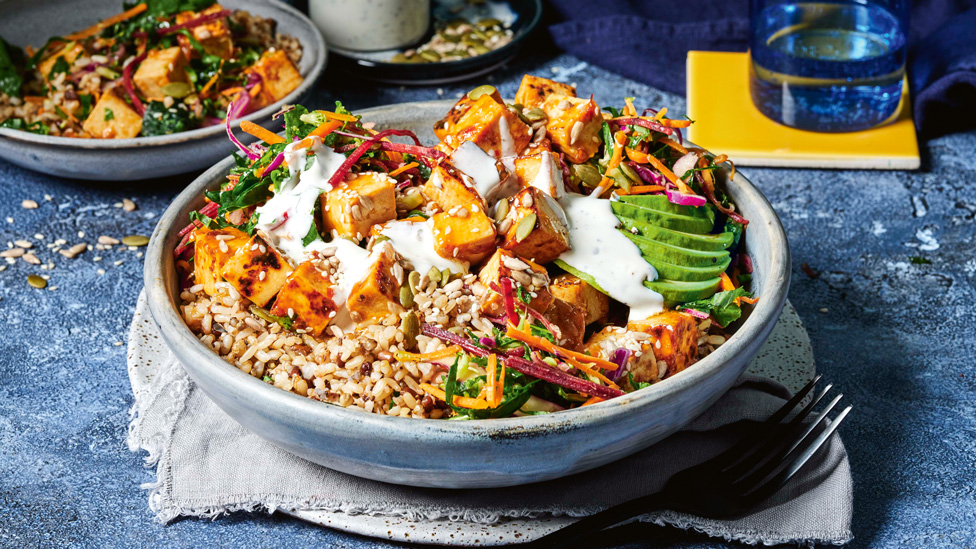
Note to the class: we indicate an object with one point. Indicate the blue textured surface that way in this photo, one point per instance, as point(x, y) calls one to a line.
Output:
point(896, 337)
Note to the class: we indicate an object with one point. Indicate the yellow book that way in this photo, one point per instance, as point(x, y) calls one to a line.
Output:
point(727, 122)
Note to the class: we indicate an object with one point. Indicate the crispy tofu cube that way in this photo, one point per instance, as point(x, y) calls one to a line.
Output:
point(548, 236)
point(354, 207)
point(307, 298)
point(570, 321)
point(676, 339)
point(212, 248)
point(574, 126)
point(529, 275)
point(214, 36)
point(493, 127)
point(445, 126)
point(69, 53)
point(447, 188)
point(644, 367)
point(279, 77)
point(576, 291)
point(160, 67)
point(257, 271)
point(378, 294)
point(541, 171)
point(469, 237)
point(112, 117)
point(533, 91)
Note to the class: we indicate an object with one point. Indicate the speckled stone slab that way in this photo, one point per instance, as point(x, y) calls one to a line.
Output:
point(786, 357)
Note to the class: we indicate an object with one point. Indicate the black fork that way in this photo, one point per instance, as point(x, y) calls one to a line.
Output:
point(733, 482)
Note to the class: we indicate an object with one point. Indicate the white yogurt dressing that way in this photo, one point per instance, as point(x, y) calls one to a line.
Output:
point(613, 261)
point(354, 263)
point(549, 178)
point(414, 240)
point(478, 165)
point(287, 217)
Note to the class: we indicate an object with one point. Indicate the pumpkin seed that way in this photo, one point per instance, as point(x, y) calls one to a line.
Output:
point(431, 56)
point(617, 175)
point(135, 240)
point(178, 90)
point(525, 227)
point(413, 279)
point(489, 22)
point(406, 296)
point(434, 275)
point(445, 277)
point(481, 90)
point(411, 200)
point(106, 72)
point(410, 326)
point(501, 210)
point(37, 282)
point(630, 173)
point(535, 114)
point(481, 49)
point(587, 173)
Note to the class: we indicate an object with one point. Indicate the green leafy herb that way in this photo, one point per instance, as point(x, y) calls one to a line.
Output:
point(638, 135)
point(522, 294)
point(170, 7)
point(60, 66)
point(162, 120)
point(609, 145)
point(267, 379)
point(19, 124)
point(919, 260)
point(294, 125)
point(744, 278)
point(86, 101)
point(614, 111)
point(312, 236)
point(60, 113)
point(514, 395)
point(720, 306)
point(109, 115)
point(418, 213)
point(636, 384)
point(11, 61)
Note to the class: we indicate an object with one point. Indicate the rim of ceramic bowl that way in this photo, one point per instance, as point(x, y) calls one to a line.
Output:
point(318, 47)
point(176, 333)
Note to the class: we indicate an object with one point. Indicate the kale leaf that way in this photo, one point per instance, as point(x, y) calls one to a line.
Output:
point(19, 124)
point(11, 59)
point(162, 120)
point(169, 7)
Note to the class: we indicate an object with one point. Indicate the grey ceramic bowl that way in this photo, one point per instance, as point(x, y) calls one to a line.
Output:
point(467, 454)
point(31, 22)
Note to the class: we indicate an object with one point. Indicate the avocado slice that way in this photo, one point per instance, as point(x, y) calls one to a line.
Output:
point(661, 203)
point(676, 291)
point(670, 271)
point(677, 222)
point(675, 254)
point(704, 242)
point(580, 274)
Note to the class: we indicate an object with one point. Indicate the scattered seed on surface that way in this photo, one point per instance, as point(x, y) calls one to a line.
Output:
point(136, 240)
point(107, 240)
point(13, 252)
point(31, 258)
point(73, 251)
point(130, 206)
point(29, 204)
point(36, 282)
point(26, 244)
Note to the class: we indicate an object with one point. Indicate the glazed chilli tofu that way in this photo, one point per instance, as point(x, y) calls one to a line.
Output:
point(546, 254)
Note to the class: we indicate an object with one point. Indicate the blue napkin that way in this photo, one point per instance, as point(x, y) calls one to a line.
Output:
point(648, 41)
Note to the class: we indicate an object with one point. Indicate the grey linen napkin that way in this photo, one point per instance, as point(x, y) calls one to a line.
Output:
point(208, 465)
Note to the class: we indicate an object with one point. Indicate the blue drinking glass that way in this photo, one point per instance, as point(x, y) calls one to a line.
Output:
point(828, 66)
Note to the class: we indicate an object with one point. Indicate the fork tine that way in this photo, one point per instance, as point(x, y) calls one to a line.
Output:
point(776, 458)
point(738, 450)
point(775, 483)
point(761, 453)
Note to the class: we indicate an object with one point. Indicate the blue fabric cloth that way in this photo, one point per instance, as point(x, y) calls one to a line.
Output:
point(648, 41)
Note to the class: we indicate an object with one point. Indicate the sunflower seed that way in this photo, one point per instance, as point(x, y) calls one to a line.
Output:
point(527, 200)
point(128, 205)
point(73, 251)
point(13, 252)
point(107, 240)
point(26, 244)
point(28, 205)
point(521, 278)
point(514, 263)
point(31, 258)
point(505, 225)
point(575, 132)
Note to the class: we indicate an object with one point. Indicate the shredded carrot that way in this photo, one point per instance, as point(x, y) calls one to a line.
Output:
point(629, 109)
point(268, 137)
point(33, 99)
point(590, 372)
point(641, 189)
point(255, 90)
point(213, 80)
point(592, 400)
point(674, 145)
point(644, 158)
point(500, 391)
point(337, 116)
point(462, 401)
point(231, 91)
point(619, 138)
point(669, 123)
point(492, 381)
point(720, 158)
point(750, 300)
point(426, 357)
point(403, 168)
point(550, 347)
point(660, 114)
point(325, 129)
point(106, 23)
